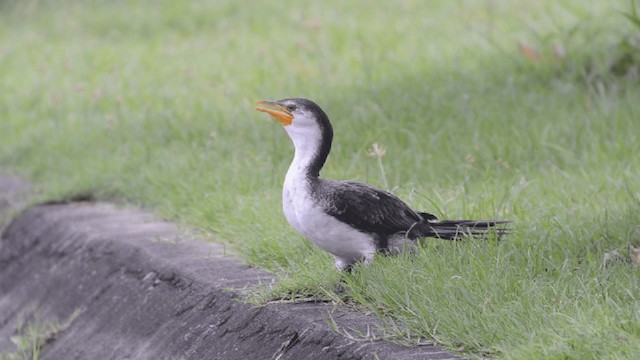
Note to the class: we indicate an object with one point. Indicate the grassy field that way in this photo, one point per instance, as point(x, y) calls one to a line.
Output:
point(520, 110)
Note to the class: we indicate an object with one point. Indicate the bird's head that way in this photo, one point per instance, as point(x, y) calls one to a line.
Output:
point(306, 124)
point(302, 118)
point(292, 112)
point(281, 110)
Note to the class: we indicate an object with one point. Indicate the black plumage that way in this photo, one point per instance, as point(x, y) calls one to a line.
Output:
point(379, 212)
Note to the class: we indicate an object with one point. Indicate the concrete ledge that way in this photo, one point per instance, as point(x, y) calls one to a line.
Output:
point(12, 190)
point(131, 286)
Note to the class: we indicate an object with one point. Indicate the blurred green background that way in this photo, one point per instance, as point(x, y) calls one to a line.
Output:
point(524, 110)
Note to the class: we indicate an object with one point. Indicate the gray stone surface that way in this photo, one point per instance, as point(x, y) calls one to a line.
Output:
point(125, 285)
point(11, 191)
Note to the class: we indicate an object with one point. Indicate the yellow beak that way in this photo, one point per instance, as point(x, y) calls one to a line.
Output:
point(276, 110)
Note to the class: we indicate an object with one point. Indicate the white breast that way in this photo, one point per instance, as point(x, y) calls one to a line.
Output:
point(305, 216)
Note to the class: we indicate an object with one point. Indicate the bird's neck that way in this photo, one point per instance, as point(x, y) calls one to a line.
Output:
point(311, 152)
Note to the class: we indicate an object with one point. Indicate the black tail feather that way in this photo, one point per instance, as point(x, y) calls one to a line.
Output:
point(456, 229)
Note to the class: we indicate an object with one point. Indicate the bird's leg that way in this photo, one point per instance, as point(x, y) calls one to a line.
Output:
point(345, 267)
point(368, 258)
point(342, 265)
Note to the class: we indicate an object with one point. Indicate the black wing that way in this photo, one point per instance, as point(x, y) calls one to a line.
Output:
point(369, 209)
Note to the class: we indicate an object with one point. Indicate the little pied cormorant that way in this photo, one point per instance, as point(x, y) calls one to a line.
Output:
point(350, 220)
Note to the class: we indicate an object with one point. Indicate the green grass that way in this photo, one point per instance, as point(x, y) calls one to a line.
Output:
point(35, 333)
point(153, 102)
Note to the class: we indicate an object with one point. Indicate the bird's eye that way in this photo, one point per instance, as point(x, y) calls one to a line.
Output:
point(291, 107)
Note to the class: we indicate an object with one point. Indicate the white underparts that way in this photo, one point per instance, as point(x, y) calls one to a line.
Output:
point(306, 216)
point(347, 244)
